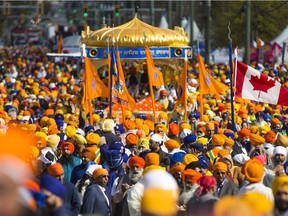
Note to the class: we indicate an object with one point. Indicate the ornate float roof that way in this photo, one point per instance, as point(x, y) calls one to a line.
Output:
point(135, 33)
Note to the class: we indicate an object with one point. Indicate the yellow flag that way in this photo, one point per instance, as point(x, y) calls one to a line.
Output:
point(207, 84)
point(93, 86)
point(154, 74)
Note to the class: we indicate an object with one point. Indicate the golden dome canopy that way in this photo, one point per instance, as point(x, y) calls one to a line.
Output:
point(135, 33)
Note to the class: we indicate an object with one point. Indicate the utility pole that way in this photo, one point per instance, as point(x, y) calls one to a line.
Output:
point(152, 13)
point(207, 31)
point(247, 32)
point(170, 14)
point(191, 23)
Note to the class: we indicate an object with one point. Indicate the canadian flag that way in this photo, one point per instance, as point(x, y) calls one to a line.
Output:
point(254, 85)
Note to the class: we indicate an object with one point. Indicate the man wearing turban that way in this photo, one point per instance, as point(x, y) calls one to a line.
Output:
point(280, 191)
point(242, 143)
point(224, 185)
point(124, 183)
point(67, 160)
point(97, 198)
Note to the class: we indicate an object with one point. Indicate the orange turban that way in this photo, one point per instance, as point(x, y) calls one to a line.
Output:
point(220, 166)
point(99, 172)
point(218, 140)
point(270, 137)
point(49, 112)
point(69, 145)
point(136, 160)
point(191, 174)
point(256, 139)
point(55, 169)
point(132, 139)
point(53, 130)
point(244, 133)
point(178, 167)
point(90, 152)
point(172, 144)
point(223, 152)
point(173, 129)
point(253, 170)
point(275, 121)
point(201, 127)
point(129, 124)
point(152, 159)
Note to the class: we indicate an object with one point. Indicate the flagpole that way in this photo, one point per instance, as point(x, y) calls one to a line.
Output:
point(122, 107)
point(110, 83)
point(231, 81)
point(185, 86)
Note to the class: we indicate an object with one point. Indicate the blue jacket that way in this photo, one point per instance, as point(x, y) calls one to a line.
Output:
point(94, 201)
point(72, 198)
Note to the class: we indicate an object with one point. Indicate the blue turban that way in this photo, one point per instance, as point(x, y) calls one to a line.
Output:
point(191, 138)
point(176, 157)
point(204, 162)
point(88, 128)
point(51, 184)
point(119, 128)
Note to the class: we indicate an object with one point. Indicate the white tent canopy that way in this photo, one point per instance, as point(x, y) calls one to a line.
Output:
point(282, 37)
point(196, 31)
point(163, 22)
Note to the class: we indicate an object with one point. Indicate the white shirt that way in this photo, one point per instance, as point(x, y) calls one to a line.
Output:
point(103, 191)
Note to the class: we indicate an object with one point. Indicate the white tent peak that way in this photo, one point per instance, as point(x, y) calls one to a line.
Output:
point(196, 31)
point(163, 22)
point(282, 37)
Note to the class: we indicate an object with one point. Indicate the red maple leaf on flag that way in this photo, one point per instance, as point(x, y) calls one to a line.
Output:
point(262, 83)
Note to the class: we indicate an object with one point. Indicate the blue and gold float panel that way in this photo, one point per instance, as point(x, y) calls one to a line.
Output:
point(139, 52)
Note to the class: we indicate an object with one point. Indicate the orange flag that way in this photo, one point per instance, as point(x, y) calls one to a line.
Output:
point(182, 90)
point(207, 84)
point(93, 86)
point(131, 102)
point(60, 44)
point(154, 74)
point(155, 78)
point(120, 94)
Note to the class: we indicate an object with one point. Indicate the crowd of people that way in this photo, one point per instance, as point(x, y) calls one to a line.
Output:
point(54, 162)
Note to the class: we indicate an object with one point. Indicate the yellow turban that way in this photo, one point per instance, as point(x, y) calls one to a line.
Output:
point(152, 159)
point(278, 183)
point(93, 138)
point(160, 128)
point(220, 166)
point(70, 131)
point(188, 158)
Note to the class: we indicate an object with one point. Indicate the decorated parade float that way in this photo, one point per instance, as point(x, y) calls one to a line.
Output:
point(168, 49)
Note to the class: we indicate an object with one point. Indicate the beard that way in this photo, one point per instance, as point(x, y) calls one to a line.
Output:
point(135, 176)
point(67, 159)
point(164, 102)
